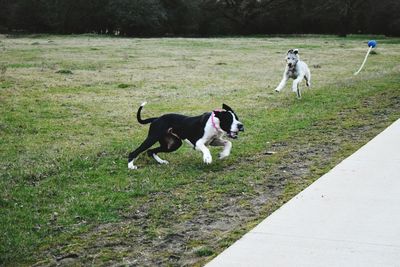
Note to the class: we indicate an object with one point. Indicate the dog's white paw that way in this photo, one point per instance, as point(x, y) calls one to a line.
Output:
point(223, 155)
point(131, 166)
point(159, 160)
point(207, 158)
point(277, 90)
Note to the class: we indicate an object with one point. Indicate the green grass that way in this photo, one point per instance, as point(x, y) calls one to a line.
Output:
point(66, 193)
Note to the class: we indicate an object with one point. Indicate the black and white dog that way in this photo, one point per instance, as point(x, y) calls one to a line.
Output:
point(199, 131)
point(295, 69)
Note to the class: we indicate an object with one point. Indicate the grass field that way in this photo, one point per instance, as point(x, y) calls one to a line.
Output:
point(67, 123)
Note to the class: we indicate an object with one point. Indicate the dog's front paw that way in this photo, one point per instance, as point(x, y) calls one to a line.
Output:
point(277, 90)
point(207, 158)
point(223, 155)
point(131, 166)
point(163, 162)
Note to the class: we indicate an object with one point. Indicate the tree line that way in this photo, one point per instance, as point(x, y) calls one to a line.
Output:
point(200, 17)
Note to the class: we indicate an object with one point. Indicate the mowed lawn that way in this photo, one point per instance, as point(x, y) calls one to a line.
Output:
point(68, 121)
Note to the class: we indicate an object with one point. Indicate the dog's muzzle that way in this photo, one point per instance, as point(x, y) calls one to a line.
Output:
point(234, 134)
point(292, 65)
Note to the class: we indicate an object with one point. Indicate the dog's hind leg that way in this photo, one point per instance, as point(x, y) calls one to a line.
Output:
point(168, 144)
point(150, 140)
point(296, 86)
point(308, 78)
point(158, 159)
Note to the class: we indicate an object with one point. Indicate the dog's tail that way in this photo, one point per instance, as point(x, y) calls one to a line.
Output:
point(139, 117)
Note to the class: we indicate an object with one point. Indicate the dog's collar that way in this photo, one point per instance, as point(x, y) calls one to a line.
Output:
point(216, 127)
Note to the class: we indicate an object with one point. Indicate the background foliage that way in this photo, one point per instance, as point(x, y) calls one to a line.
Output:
point(200, 17)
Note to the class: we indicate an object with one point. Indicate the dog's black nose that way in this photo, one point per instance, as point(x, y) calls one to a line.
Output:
point(290, 64)
point(241, 127)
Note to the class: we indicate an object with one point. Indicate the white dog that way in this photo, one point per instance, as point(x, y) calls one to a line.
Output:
point(295, 69)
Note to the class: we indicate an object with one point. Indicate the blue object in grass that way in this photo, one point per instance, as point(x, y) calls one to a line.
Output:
point(371, 43)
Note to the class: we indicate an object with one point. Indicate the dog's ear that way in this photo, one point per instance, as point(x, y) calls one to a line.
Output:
point(227, 108)
point(296, 51)
point(290, 51)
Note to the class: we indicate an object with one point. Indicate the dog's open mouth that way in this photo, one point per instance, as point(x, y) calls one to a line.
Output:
point(233, 135)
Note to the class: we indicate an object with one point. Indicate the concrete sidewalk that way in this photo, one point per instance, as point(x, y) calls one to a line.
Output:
point(348, 217)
